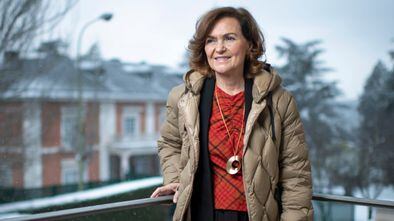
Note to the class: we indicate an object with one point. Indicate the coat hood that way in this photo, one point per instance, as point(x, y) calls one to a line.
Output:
point(263, 83)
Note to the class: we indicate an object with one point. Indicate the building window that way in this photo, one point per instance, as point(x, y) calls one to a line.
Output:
point(69, 171)
point(11, 124)
point(70, 175)
point(114, 167)
point(6, 175)
point(130, 126)
point(144, 166)
point(69, 127)
point(131, 121)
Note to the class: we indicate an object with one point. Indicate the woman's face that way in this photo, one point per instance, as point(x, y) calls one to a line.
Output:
point(226, 47)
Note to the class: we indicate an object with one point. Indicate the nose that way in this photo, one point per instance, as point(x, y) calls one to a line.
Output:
point(220, 47)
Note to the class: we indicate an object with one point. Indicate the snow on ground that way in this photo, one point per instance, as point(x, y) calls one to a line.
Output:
point(80, 196)
point(11, 215)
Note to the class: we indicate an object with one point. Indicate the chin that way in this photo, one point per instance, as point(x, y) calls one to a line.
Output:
point(222, 71)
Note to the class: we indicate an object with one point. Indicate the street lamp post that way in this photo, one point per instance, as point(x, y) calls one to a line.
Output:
point(104, 17)
point(81, 114)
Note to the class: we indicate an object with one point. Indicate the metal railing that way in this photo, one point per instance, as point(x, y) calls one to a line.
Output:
point(132, 204)
point(353, 200)
point(92, 210)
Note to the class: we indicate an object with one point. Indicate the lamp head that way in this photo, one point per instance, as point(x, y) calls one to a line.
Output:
point(106, 16)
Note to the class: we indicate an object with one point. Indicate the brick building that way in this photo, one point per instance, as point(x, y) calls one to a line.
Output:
point(42, 101)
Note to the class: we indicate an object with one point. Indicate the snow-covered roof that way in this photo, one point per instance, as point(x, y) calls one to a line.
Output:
point(58, 78)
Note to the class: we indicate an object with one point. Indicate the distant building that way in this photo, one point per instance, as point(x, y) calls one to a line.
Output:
point(123, 107)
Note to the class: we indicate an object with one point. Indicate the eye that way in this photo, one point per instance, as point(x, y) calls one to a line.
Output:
point(209, 41)
point(229, 38)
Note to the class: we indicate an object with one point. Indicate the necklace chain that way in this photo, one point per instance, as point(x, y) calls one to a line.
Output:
point(235, 150)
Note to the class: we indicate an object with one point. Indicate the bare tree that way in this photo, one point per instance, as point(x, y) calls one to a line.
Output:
point(21, 21)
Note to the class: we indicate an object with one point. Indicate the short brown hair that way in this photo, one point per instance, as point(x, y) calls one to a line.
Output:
point(250, 30)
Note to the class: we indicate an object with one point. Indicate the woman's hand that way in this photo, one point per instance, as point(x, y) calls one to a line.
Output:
point(167, 190)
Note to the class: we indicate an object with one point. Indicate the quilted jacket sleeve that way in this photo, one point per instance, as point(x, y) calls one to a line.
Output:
point(170, 143)
point(295, 170)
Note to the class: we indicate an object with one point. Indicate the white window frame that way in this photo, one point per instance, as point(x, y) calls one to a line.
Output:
point(69, 166)
point(69, 115)
point(134, 113)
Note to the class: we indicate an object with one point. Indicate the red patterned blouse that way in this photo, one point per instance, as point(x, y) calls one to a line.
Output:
point(228, 189)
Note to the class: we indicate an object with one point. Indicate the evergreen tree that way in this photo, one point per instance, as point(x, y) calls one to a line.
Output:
point(386, 155)
point(303, 75)
point(377, 129)
point(388, 165)
point(373, 109)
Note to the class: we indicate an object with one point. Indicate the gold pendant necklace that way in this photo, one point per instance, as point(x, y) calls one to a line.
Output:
point(234, 163)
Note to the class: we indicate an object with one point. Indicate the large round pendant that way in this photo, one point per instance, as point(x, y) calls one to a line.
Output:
point(233, 165)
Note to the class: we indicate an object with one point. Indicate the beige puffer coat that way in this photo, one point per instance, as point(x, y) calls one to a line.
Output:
point(265, 162)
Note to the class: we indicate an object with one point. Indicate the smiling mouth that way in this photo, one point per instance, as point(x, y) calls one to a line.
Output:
point(222, 58)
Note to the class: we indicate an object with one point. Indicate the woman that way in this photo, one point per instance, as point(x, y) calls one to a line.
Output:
point(232, 146)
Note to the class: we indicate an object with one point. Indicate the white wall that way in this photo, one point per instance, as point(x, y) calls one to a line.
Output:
point(32, 145)
point(107, 132)
point(150, 118)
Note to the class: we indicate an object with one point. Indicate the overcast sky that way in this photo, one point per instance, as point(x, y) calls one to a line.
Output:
point(355, 33)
